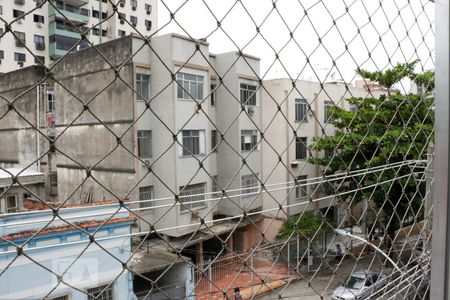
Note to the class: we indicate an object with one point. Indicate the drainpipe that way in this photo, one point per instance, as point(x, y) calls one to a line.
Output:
point(100, 18)
point(38, 125)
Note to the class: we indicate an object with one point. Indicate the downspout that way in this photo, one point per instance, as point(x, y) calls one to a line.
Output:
point(38, 125)
point(100, 18)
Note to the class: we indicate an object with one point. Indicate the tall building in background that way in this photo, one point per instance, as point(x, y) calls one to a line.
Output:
point(41, 32)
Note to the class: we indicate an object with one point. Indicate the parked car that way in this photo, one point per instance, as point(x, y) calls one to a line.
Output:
point(360, 285)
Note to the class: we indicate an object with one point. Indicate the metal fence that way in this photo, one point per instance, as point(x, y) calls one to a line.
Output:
point(203, 149)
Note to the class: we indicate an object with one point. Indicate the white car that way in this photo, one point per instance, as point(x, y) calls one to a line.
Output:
point(360, 285)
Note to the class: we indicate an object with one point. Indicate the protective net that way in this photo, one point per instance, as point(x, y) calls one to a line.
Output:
point(216, 149)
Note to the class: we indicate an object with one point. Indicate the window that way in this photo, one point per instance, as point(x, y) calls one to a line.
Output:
point(11, 204)
point(104, 15)
point(249, 183)
point(189, 86)
point(121, 33)
point(1, 10)
point(20, 38)
point(39, 2)
point(214, 140)
point(212, 90)
point(39, 42)
point(104, 32)
point(18, 13)
point(2, 54)
point(38, 19)
point(301, 147)
point(50, 101)
point(148, 8)
point(143, 86)
point(85, 12)
point(133, 20)
point(146, 193)
point(192, 193)
point(217, 191)
point(353, 108)
point(301, 107)
point(249, 140)
point(301, 189)
point(122, 17)
point(144, 143)
point(95, 14)
point(65, 297)
point(148, 23)
point(248, 94)
point(39, 60)
point(95, 31)
point(133, 3)
point(326, 111)
point(20, 57)
point(96, 293)
point(193, 142)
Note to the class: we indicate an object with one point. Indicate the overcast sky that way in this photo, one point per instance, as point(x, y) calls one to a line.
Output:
point(238, 30)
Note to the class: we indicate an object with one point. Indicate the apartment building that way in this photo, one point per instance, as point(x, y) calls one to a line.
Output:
point(158, 138)
point(294, 113)
point(43, 31)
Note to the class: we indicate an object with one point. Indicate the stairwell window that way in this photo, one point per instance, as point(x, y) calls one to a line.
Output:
point(143, 86)
point(301, 150)
point(144, 143)
point(301, 189)
point(189, 87)
point(301, 107)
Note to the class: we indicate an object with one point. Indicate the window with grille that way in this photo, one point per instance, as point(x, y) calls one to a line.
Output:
point(327, 113)
point(301, 147)
point(133, 3)
point(193, 142)
point(11, 204)
point(18, 13)
point(38, 19)
point(189, 86)
point(249, 140)
point(145, 194)
point(192, 193)
point(301, 108)
point(249, 183)
point(215, 187)
point(144, 143)
point(97, 294)
point(2, 54)
point(248, 94)
point(301, 189)
point(143, 86)
point(148, 8)
point(133, 20)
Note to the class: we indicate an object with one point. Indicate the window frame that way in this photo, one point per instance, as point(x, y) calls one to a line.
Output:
point(250, 183)
point(244, 92)
point(190, 195)
point(185, 86)
point(327, 117)
point(145, 191)
point(301, 154)
point(18, 55)
point(139, 86)
point(195, 136)
point(301, 110)
point(254, 140)
point(9, 209)
point(141, 139)
point(50, 105)
point(100, 288)
point(301, 192)
point(212, 90)
point(214, 140)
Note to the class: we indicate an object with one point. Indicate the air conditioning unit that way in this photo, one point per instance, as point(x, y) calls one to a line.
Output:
point(133, 24)
point(122, 21)
point(19, 21)
point(149, 28)
point(20, 64)
point(149, 12)
point(39, 25)
point(250, 110)
point(311, 113)
point(122, 3)
point(146, 162)
point(133, 7)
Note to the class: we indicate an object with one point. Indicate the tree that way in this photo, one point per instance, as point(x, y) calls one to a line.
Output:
point(304, 225)
point(383, 130)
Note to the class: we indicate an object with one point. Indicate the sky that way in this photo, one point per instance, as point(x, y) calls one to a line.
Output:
point(320, 35)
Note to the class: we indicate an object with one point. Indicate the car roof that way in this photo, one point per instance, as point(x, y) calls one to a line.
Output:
point(364, 273)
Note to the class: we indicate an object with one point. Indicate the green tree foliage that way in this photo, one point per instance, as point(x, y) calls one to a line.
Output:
point(386, 128)
point(304, 226)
